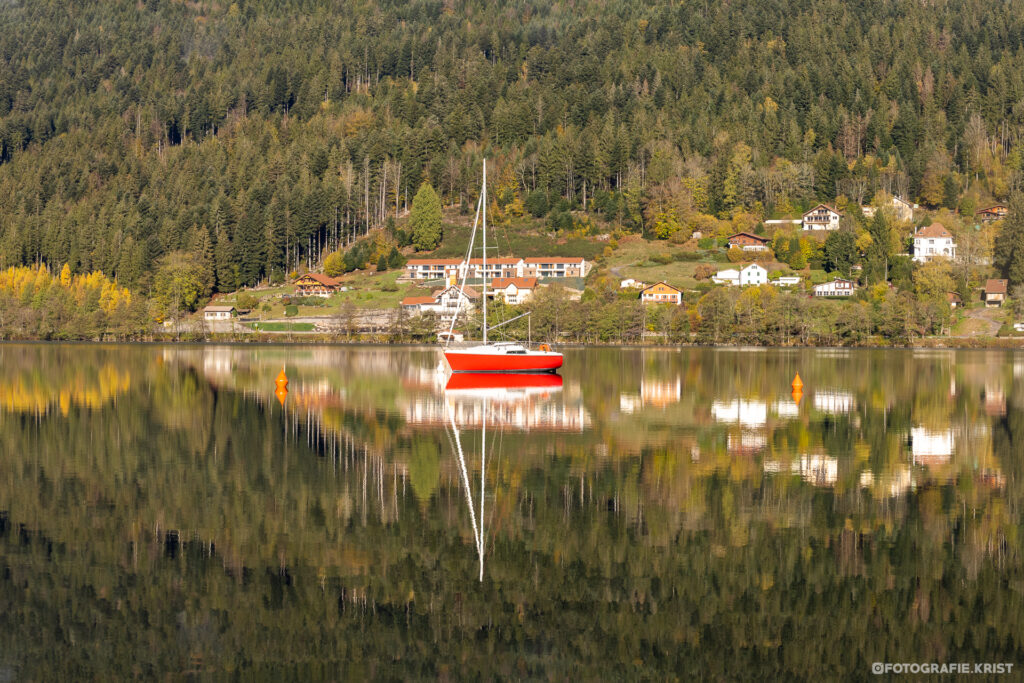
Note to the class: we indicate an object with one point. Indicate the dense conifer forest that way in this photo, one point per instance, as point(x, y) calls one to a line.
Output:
point(254, 137)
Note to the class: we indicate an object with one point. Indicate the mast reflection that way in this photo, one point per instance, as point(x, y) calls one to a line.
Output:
point(468, 399)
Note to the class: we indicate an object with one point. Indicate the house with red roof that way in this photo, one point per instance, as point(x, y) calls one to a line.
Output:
point(512, 290)
point(316, 284)
point(933, 241)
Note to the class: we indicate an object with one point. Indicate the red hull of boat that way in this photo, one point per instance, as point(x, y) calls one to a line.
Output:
point(499, 362)
point(495, 380)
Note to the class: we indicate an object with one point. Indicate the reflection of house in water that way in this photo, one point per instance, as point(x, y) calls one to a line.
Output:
point(834, 401)
point(630, 403)
point(746, 413)
point(931, 447)
point(746, 443)
point(524, 412)
point(819, 470)
point(660, 392)
point(890, 484)
point(218, 361)
point(786, 408)
point(995, 399)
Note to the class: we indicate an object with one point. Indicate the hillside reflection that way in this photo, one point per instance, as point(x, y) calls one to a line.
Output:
point(674, 507)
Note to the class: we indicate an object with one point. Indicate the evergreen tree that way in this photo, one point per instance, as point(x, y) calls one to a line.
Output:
point(426, 219)
point(1009, 244)
point(840, 252)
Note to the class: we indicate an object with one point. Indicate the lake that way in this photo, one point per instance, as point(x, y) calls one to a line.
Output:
point(649, 513)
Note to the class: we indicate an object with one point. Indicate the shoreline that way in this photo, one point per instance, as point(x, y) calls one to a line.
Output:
point(321, 339)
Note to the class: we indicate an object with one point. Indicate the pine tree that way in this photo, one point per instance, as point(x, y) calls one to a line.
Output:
point(1009, 247)
point(426, 218)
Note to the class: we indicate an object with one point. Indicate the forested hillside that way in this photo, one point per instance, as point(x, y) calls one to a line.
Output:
point(256, 135)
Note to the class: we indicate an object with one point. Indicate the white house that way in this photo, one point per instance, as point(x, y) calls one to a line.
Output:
point(630, 283)
point(786, 281)
point(444, 302)
point(933, 241)
point(838, 287)
point(753, 275)
point(821, 217)
point(730, 276)
point(513, 290)
point(218, 312)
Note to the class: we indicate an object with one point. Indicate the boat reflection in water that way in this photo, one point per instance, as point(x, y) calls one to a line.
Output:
point(473, 394)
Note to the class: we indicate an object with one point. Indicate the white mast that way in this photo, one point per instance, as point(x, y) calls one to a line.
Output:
point(484, 290)
point(483, 487)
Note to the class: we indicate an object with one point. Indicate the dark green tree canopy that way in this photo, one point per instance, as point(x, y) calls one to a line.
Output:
point(426, 218)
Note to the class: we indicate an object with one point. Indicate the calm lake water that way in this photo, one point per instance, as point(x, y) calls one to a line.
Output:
point(648, 514)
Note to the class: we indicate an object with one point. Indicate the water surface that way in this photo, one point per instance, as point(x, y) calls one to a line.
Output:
point(653, 513)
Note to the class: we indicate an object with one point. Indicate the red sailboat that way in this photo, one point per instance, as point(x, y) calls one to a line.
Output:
point(495, 356)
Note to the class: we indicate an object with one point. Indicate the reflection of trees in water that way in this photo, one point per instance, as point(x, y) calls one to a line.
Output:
point(188, 527)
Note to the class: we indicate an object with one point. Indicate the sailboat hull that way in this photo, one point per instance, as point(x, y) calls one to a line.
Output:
point(472, 360)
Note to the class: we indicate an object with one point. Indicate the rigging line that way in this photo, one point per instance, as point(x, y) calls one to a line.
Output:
point(465, 274)
point(465, 478)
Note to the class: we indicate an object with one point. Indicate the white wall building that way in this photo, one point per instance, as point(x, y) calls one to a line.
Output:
point(821, 217)
point(218, 312)
point(754, 275)
point(786, 281)
point(838, 287)
point(730, 276)
point(933, 241)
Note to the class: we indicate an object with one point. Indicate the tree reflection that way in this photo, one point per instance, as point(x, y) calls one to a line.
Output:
point(187, 524)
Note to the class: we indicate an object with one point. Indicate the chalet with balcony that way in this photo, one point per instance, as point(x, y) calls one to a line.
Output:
point(821, 217)
point(748, 242)
point(992, 213)
point(316, 284)
point(661, 293)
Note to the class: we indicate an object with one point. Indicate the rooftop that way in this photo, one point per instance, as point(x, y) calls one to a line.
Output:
point(933, 230)
point(995, 286)
point(519, 282)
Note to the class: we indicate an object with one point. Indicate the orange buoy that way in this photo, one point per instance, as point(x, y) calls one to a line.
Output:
point(282, 379)
point(797, 395)
point(798, 384)
point(281, 394)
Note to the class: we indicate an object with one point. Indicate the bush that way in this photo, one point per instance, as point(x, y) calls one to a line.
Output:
point(307, 301)
point(247, 302)
point(560, 221)
point(703, 271)
point(291, 311)
point(662, 259)
point(687, 256)
point(706, 243)
point(735, 255)
point(536, 203)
